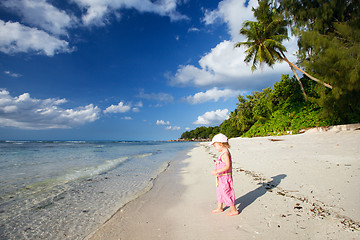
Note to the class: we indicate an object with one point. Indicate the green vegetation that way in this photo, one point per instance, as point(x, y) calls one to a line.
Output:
point(329, 52)
point(265, 37)
point(200, 133)
point(282, 110)
point(329, 49)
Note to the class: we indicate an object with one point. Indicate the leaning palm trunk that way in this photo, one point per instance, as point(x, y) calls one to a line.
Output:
point(300, 83)
point(283, 57)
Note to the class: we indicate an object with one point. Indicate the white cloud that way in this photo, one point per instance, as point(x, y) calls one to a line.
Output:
point(223, 66)
point(211, 16)
point(167, 125)
point(11, 74)
point(139, 104)
point(213, 117)
point(25, 112)
point(162, 122)
point(126, 118)
point(120, 108)
point(15, 38)
point(44, 22)
point(213, 94)
point(193, 29)
point(136, 109)
point(97, 12)
point(174, 128)
point(233, 13)
point(40, 13)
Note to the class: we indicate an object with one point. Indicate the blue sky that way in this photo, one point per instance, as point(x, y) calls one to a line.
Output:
point(122, 70)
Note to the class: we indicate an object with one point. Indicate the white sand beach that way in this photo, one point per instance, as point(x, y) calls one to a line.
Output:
point(302, 186)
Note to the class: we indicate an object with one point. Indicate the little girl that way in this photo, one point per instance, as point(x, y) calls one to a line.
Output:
point(224, 189)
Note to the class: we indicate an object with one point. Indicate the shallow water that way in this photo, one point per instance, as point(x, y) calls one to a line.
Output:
point(65, 189)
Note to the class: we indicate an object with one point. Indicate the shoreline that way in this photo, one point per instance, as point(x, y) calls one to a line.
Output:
point(172, 167)
point(298, 186)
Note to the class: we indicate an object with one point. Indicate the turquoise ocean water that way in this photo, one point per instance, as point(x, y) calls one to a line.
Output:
point(66, 189)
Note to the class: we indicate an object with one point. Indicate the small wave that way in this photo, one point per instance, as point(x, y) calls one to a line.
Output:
point(79, 142)
point(86, 172)
point(95, 170)
point(99, 146)
point(16, 142)
point(143, 155)
point(71, 175)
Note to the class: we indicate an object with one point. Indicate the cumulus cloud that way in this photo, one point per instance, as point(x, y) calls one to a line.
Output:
point(42, 23)
point(39, 13)
point(212, 117)
point(25, 112)
point(223, 66)
point(233, 13)
point(98, 12)
point(121, 107)
point(213, 94)
point(16, 38)
point(162, 122)
point(167, 125)
point(174, 128)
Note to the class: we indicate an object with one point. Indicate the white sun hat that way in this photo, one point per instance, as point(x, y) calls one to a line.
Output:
point(219, 138)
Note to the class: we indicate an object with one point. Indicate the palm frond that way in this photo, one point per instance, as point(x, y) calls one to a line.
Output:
point(250, 54)
point(239, 44)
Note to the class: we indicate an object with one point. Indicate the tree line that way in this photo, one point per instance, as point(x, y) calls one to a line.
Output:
point(329, 57)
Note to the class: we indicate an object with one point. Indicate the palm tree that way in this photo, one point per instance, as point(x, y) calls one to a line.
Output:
point(264, 41)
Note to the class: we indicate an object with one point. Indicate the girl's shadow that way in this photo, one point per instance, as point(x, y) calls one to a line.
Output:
point(250, 197)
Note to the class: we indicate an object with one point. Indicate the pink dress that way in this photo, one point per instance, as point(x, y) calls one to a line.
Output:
point(224, 190)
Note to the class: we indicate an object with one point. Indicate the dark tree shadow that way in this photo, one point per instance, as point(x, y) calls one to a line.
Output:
point(250, 197)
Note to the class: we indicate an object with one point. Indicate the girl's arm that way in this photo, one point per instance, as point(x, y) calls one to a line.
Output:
point(226, 159)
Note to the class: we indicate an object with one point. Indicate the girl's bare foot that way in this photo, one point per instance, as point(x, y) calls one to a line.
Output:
point(232, 213)
point(218, 210)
